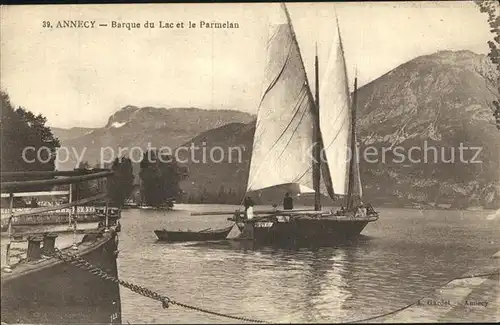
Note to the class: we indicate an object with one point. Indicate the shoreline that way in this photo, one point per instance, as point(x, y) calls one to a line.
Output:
point(472, 297)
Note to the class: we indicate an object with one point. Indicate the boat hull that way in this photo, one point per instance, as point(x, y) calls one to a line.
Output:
point(304, 231)
point(52, 291)
point(183, 236)
point(162, 208)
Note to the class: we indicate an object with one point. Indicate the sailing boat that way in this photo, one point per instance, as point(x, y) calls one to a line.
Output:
point(289, 121)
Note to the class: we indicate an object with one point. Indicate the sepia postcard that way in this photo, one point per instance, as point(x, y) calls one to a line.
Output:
point(334, 162)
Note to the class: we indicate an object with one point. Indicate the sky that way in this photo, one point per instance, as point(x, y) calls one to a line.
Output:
point(79, 77)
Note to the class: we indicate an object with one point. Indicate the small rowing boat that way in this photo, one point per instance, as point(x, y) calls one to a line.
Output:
point(202, 235)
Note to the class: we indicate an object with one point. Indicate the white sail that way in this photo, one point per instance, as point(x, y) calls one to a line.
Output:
point(284, 133)
point(335, 119)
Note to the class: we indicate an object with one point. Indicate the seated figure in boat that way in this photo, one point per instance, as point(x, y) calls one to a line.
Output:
point(370, 209)
point(342, 211)
point(249, 207)
point(288, 202)
point(34, 202)
point(361, 211)
point(238, 219)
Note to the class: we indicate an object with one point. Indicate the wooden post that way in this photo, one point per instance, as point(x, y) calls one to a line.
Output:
point(70, 201)
point(9, 227)
point(106, 214)
point(73, 217)
point(11, 213)
point(34, 250)
point(106, 200)
point(49, 243)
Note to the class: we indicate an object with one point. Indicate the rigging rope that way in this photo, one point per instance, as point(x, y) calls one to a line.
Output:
point(78, 261)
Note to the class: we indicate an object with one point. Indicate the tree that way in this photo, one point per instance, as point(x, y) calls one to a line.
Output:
point(221, 197)
point(169, 170)
point(85, 189)
point(160, 175)
point(23, 131)
point(121, 184)
point(150, 176)
point(27, 144)
point(204, 195)
point(492, 8)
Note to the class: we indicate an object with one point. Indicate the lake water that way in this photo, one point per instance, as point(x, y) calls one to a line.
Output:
point(401, 258)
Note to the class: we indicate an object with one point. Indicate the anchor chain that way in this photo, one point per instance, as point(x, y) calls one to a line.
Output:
point(79, 262)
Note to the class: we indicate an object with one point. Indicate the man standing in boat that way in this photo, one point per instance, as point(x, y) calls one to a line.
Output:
point(288, 202)
point(249, 207)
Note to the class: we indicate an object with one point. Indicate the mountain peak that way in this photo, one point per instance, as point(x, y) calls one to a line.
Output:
point(462, 57)
point(129, 113)
point(129, 108)
point(463, 53)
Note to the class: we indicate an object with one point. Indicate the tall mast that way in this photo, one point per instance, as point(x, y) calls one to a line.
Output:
point(294, 38)
point(350, 199)
point(316, 141)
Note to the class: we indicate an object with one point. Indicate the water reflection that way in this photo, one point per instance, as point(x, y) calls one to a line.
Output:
point(313, 284)
point(324, 284)
point(403, 255)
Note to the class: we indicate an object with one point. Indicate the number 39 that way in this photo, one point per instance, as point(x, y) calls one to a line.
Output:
point(46, 24)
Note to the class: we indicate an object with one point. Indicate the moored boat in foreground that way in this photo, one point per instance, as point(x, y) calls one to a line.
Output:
point(39, 287)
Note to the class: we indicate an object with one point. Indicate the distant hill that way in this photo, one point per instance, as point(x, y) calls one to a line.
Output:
point(68, 134)
point(441, 100)
point(230, 175)
point(133, 127)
